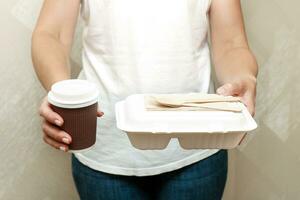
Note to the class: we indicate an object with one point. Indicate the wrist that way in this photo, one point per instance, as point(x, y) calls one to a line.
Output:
point(242, 77)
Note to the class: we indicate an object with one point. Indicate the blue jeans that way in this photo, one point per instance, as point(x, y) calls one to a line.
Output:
point(204, 180)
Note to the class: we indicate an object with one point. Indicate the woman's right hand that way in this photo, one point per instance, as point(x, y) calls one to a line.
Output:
point(53, 134)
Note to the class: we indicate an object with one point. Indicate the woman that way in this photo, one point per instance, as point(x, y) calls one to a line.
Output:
point(141, 46)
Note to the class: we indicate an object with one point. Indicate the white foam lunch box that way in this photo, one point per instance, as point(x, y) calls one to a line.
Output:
point(193, 129)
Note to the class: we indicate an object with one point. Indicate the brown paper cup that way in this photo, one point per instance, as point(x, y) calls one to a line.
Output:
point(76, 101)
point(80, 124)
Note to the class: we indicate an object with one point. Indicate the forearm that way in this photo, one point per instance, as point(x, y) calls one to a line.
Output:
point(50, 59)
point(235, 66)
point(235, 63)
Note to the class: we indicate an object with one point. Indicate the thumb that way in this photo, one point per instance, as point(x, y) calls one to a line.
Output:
point(100, 113)
point(230, 89)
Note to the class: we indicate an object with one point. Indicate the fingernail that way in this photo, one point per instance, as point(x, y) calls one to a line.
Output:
point(66, 140)
point(57, 122)
point(62, 148)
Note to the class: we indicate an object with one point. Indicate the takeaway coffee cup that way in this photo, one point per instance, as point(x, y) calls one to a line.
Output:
point(76, 102)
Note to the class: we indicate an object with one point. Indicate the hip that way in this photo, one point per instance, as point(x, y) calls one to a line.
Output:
point(204, 179)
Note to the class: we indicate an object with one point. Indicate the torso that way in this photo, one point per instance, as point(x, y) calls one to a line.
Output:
point(142, 46)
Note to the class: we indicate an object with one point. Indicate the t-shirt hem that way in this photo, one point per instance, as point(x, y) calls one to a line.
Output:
point(145, 171)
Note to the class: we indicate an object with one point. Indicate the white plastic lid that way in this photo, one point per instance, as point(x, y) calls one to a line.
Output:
point(73, 93)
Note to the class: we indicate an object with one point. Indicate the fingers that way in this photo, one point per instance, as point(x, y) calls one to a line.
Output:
point(230, 89)
point(55, 144)
point(46, 112)
point(55, 136)
point(56, 133)
point(251, 108)
point(249, 100)
point(245, 91)
point(100, 113)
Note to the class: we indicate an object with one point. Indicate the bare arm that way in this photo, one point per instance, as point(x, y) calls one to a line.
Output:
point(235, 66)
point(51, 44)
point(52, 40)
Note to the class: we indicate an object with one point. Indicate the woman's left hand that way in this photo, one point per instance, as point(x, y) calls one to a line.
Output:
point(243, 87)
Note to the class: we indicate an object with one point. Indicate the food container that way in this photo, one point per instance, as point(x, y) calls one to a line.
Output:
point(193, 129)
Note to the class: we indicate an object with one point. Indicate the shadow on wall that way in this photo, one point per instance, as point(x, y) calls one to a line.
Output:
point(268, 168)
point(32, 170)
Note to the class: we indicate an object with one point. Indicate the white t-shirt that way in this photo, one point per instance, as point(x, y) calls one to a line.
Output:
point(142, 46)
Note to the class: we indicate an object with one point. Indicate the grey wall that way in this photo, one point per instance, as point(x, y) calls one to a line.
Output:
point(29, 169)
point(266, 169)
